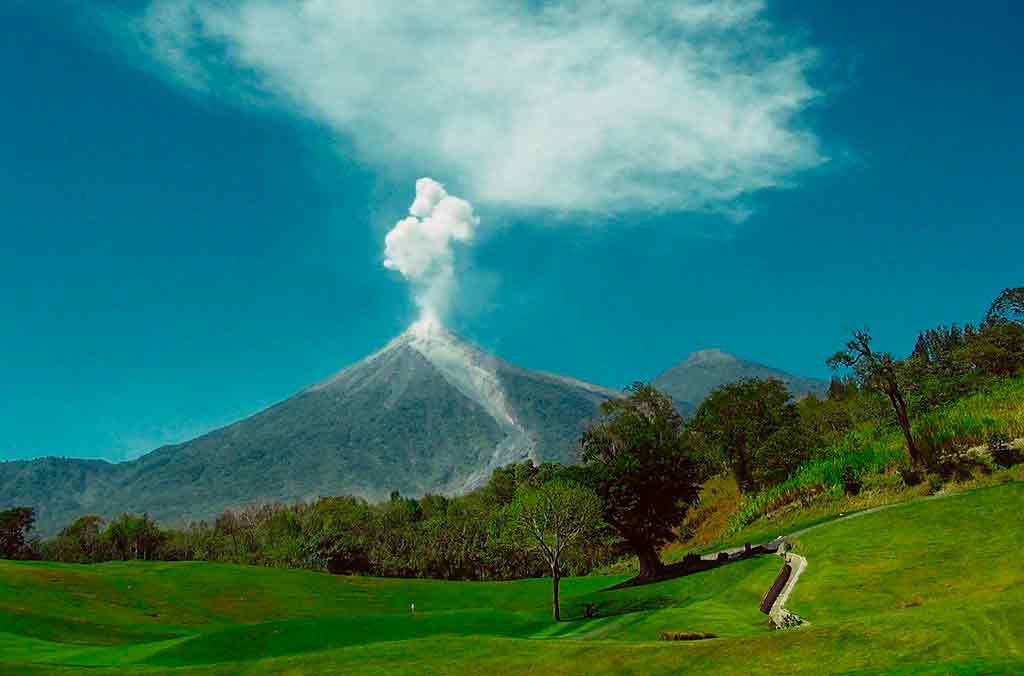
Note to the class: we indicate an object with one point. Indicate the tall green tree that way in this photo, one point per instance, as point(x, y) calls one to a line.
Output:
point(878, 370)
point(15, 525)
point(740, 418)
point(645, 467)
point(340, 535)
point(553, 521)
point(80, 541)
point(134, 537)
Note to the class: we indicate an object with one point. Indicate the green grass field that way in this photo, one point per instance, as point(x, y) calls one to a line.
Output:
point(931, 586)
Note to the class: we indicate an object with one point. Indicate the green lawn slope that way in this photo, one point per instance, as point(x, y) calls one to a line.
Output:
point(930, 586)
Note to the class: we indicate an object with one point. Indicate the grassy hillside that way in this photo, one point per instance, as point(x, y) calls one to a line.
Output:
point(934, 585)
point(876, 451)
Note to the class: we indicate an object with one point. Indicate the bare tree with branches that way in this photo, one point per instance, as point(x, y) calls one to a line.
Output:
point(878, 370)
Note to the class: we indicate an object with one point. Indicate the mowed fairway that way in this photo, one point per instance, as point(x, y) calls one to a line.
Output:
point(934, 586)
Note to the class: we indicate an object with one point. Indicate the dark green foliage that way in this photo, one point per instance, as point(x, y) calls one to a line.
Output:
point(1007, 307)
point(134, 537)
point(459, 538)
point(783, 452)
point(646, 468)
point(851, 482)
point(15, 525)
point(950, 363)
point(81, 542)
point(338, 535)
point(741, 419)
point(911, 476)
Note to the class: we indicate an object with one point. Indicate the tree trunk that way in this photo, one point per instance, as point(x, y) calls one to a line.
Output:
point(555, 610)
point(650, 563)
point(902, 417)
point(742, 469)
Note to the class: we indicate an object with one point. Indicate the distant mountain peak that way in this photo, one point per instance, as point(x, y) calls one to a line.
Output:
point(691, 381)
point(710, 355)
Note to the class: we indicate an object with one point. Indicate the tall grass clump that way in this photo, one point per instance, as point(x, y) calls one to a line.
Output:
point(973, 420)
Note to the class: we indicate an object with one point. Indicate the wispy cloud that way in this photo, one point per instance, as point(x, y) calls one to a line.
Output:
point(585, 106)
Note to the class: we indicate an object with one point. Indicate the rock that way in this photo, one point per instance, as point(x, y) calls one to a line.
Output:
point(783, 619)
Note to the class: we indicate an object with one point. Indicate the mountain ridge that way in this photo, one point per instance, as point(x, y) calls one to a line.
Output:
point(691, 381)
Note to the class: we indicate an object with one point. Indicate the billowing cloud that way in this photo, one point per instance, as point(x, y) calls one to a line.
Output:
point(422, 245)
point(584, 105)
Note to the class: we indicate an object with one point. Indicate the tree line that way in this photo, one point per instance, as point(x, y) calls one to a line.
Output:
point(641, 469)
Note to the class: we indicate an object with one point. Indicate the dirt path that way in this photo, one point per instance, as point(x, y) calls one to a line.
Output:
point(864, 512)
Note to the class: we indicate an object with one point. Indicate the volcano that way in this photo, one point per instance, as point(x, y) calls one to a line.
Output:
point(428, 413)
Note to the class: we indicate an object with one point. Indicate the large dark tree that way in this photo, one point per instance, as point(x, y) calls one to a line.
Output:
point(645, 468)
point(880, 371)
point(15, 525)
point(740, 417)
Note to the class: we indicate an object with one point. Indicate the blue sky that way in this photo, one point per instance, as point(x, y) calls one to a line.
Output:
point(194, 200)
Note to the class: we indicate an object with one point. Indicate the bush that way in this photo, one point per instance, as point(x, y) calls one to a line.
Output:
point(935, 483)
point(782, 454)
point(911, 476)
point(1003, 454)
point(686, 635)
point(851, 483)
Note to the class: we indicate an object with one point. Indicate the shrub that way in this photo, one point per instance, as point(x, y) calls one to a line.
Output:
point(935, 483)
point(686, 635)
point(1003, 454)
point(782, 454)
point(911, 476)
point(851, 483)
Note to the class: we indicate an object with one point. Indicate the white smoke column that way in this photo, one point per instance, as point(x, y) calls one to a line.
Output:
point(422, 246)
